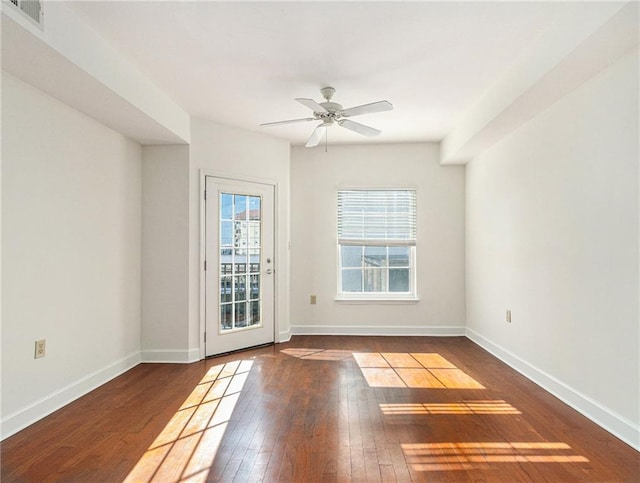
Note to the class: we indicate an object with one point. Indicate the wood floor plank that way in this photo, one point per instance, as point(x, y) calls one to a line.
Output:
point(419, 378)
point(321, 408)
point(433, 361)
point(400, 359)
point(370, 359)
point(455, 379)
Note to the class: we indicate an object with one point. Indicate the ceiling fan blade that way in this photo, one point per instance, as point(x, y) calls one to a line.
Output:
point(359, 128)
point(379, 106)
point(311, 104)
point(290, 121)
point(316, 136)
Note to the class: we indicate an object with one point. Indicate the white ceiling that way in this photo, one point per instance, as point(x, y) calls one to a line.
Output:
point(243, 63)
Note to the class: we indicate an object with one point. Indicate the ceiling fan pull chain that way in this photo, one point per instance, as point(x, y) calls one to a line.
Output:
point(326, 140)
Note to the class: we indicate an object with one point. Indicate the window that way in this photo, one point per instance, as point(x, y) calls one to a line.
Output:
point(376, 244)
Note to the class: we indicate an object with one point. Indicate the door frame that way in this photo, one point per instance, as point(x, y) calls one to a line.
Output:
point(204, 173)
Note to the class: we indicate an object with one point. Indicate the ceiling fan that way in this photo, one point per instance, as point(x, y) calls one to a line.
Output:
point(331, 113)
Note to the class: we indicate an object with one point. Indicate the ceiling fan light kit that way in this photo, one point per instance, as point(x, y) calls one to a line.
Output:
point(331, 113)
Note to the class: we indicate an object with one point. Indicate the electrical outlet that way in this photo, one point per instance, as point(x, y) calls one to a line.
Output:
point(313, 300)
point(41, 346)
point(509, 316)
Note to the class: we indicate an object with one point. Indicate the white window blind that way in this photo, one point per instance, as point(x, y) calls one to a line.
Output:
point(384, 216)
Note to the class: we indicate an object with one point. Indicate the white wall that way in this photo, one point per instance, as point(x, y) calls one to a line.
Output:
point(80, 68)
point(171, 305)
point(71, 214)
point(240, 154)
point(552, 234)
point(165, 254)
point(316, 176)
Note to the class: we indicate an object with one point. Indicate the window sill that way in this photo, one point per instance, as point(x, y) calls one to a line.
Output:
point(377, 300)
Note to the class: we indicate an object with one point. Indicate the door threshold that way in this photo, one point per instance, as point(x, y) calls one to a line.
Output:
point(214, 356)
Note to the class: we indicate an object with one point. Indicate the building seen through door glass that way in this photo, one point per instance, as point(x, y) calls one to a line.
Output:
point(240, 252)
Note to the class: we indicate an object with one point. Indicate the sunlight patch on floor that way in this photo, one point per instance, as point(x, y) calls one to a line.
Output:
point(396, 369)
point(497, 407)
point(413, 370)
point(478, 455)
point(187, 446)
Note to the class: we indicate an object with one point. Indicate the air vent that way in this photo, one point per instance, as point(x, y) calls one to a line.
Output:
point(30, 8)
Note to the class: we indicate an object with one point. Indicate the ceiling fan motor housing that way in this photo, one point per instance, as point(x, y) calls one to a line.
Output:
point(331, 107)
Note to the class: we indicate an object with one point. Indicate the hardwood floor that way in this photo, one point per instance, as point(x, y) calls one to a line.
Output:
point(321, 409)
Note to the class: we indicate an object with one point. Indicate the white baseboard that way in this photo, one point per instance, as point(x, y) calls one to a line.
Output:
point(170, 355)
point(395, 330)
point(37, 410)
point(617, 425)
point(284, 336)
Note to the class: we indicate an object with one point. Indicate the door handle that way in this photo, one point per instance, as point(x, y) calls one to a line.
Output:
point(268, 271)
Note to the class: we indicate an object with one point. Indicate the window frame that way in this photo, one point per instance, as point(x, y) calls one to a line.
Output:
point(410, 296)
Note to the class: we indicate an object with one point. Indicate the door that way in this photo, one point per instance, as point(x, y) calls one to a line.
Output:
point(239, 280)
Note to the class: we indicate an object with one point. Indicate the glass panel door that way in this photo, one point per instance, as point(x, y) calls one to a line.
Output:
point(239, 281)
